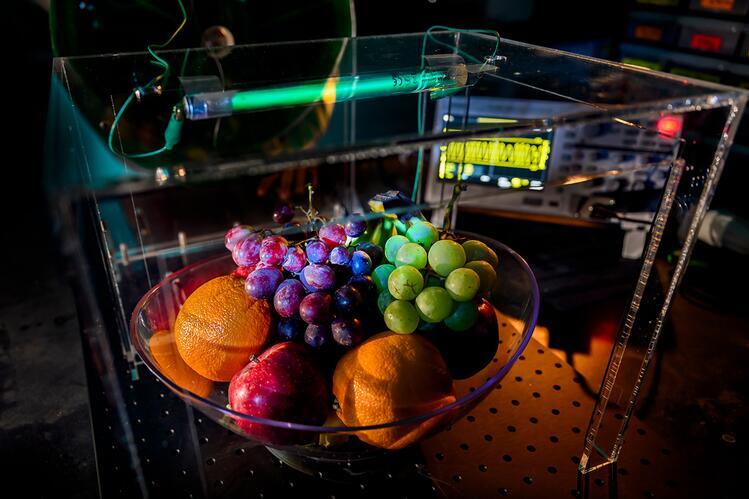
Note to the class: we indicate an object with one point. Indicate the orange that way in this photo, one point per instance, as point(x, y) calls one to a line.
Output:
point(390, 377)
point(220, 327)
point(171, 364)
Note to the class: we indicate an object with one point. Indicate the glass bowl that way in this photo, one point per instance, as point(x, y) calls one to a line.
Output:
point(477, 361)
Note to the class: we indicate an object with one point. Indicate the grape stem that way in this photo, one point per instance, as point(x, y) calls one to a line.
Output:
point(432, 273)
point(311, 213)
point(447, 220)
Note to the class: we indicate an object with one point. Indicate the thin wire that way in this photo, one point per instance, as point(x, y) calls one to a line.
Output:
point(466, 55)
point(222, 79)
point(158, 61)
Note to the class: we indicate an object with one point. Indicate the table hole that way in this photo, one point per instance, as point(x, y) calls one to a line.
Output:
point(557, 365)
point(665, 451)
point(555, 412)
point(575, 429)
point(644, 461)
point(488, 437)
point(511, 429)
point(575, 459)
point(600, 482)
point(623, 471)
point(503, 492)
point(507, 458)
point(557, 387)
point(531, 448)
point(554, 439)
point(552, 470)
point(536, 395)
point(518, 378)
point(515, 402)
point(471, 419)
point(533, 420)
point(576, 403)
point(493, 410)
point(528, 480)
point(464, 446)
point(457, 478)
point(440, 456)
point(640, 431)
point(522, 357)
point(483, 467)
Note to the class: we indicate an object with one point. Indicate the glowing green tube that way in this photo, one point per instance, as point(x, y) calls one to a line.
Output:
point(341, 89)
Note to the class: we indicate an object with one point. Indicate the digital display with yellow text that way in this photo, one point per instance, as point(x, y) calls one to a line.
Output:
point(508, 163)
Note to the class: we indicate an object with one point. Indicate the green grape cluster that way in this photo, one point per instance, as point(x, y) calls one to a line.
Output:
point(429, 280)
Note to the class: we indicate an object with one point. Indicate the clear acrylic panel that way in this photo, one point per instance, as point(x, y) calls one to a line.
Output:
point(518, 126)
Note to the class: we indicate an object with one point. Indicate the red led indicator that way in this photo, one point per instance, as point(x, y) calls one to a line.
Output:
point(669, 126)
point(717, 4)
point(707, 43)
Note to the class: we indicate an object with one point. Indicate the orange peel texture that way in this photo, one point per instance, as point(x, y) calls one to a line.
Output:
point(219, 328)
point(390, 377)
point(173, 367)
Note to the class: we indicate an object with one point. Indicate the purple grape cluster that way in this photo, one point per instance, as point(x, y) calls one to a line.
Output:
point(319, 287)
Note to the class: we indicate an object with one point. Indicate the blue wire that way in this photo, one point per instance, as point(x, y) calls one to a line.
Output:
point(158, 61)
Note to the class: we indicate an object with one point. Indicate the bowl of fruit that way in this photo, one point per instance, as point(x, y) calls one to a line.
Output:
point(337, 344)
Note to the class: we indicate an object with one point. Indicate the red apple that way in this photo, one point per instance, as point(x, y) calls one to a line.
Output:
point(283, 384)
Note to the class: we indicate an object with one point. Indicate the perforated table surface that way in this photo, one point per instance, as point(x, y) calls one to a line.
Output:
point(524, 440)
